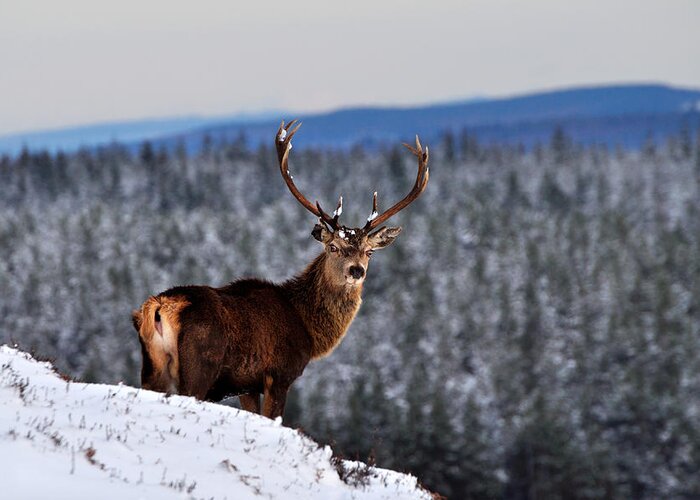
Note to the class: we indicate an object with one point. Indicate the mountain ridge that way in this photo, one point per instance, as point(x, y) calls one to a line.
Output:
point(622, 114)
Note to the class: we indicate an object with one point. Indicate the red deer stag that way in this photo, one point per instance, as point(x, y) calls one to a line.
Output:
point(253, 337)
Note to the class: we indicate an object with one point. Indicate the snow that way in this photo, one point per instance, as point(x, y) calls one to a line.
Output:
point(282, 136)
point(339, 211)
point(372, 216)
point(70, 440)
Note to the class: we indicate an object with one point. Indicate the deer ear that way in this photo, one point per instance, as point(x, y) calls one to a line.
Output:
point(136, 319)
point(384, 237)
point(321, 234)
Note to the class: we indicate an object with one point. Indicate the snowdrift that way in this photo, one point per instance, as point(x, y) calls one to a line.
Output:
point(67, 440)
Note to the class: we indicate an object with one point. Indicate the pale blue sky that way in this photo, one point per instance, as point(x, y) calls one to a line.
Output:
point(80, 61)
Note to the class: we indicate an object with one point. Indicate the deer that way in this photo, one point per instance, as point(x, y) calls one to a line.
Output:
point(253, 338)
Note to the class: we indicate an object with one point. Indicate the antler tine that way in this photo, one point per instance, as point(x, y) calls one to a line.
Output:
point(373, 215)
point(283, 145)
point(284, 137)
point(375, 220)
point(338, 211)
point(329, 221)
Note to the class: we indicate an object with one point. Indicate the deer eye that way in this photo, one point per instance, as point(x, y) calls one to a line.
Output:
point(369, 253)
point(333, 247)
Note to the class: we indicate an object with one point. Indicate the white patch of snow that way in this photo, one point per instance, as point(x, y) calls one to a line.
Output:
point(282, 136)
point(338, 211)
point(341, 233)
point(372, 216)
point(114, 442)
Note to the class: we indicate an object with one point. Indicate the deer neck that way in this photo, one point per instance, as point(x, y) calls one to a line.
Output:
point(325, 308)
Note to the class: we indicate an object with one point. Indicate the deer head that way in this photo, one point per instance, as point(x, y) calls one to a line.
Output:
point(349, 249)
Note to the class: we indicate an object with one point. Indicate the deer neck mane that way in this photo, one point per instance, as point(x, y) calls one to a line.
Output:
point(326, 309)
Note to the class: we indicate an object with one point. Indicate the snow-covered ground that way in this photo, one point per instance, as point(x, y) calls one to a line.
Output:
point(61, 439)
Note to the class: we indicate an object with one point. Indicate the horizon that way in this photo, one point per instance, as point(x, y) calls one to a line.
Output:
point(78, 62)
point(264, 115)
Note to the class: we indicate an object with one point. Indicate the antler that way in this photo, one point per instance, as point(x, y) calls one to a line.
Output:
point(375, 220)
point(283, 145)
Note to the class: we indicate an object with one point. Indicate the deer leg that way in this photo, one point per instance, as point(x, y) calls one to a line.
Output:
point(200, 363)
point(275, 398)
point(198, 385)
point(250, 402)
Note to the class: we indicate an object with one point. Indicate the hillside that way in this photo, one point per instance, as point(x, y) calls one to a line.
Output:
point(621, 114)
point(539, 312)
point(123, 132)
point(71, 440)
point(625, 115)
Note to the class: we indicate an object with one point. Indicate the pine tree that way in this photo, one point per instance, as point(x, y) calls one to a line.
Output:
point(448, 140)
point(560, 145)
point(477, 458)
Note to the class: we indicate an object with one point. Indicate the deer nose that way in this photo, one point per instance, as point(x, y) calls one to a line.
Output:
point(356, 272)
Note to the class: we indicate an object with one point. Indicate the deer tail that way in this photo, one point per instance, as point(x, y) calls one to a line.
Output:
point(159, 327)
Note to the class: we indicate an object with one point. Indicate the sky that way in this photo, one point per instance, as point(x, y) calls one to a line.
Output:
point(84, 61)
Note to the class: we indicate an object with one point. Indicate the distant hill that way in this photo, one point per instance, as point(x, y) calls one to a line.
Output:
point(624, 115)
point(125, 132)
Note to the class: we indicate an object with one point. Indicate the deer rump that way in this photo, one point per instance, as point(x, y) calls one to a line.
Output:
point(210, 343)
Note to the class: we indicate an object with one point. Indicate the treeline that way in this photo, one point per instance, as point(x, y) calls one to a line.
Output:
point(533, 333)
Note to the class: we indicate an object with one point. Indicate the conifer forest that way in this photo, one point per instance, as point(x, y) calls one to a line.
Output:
point(533, 333)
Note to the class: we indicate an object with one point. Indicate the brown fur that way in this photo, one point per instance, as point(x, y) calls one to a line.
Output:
point(252, 337)
point(326, 308)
